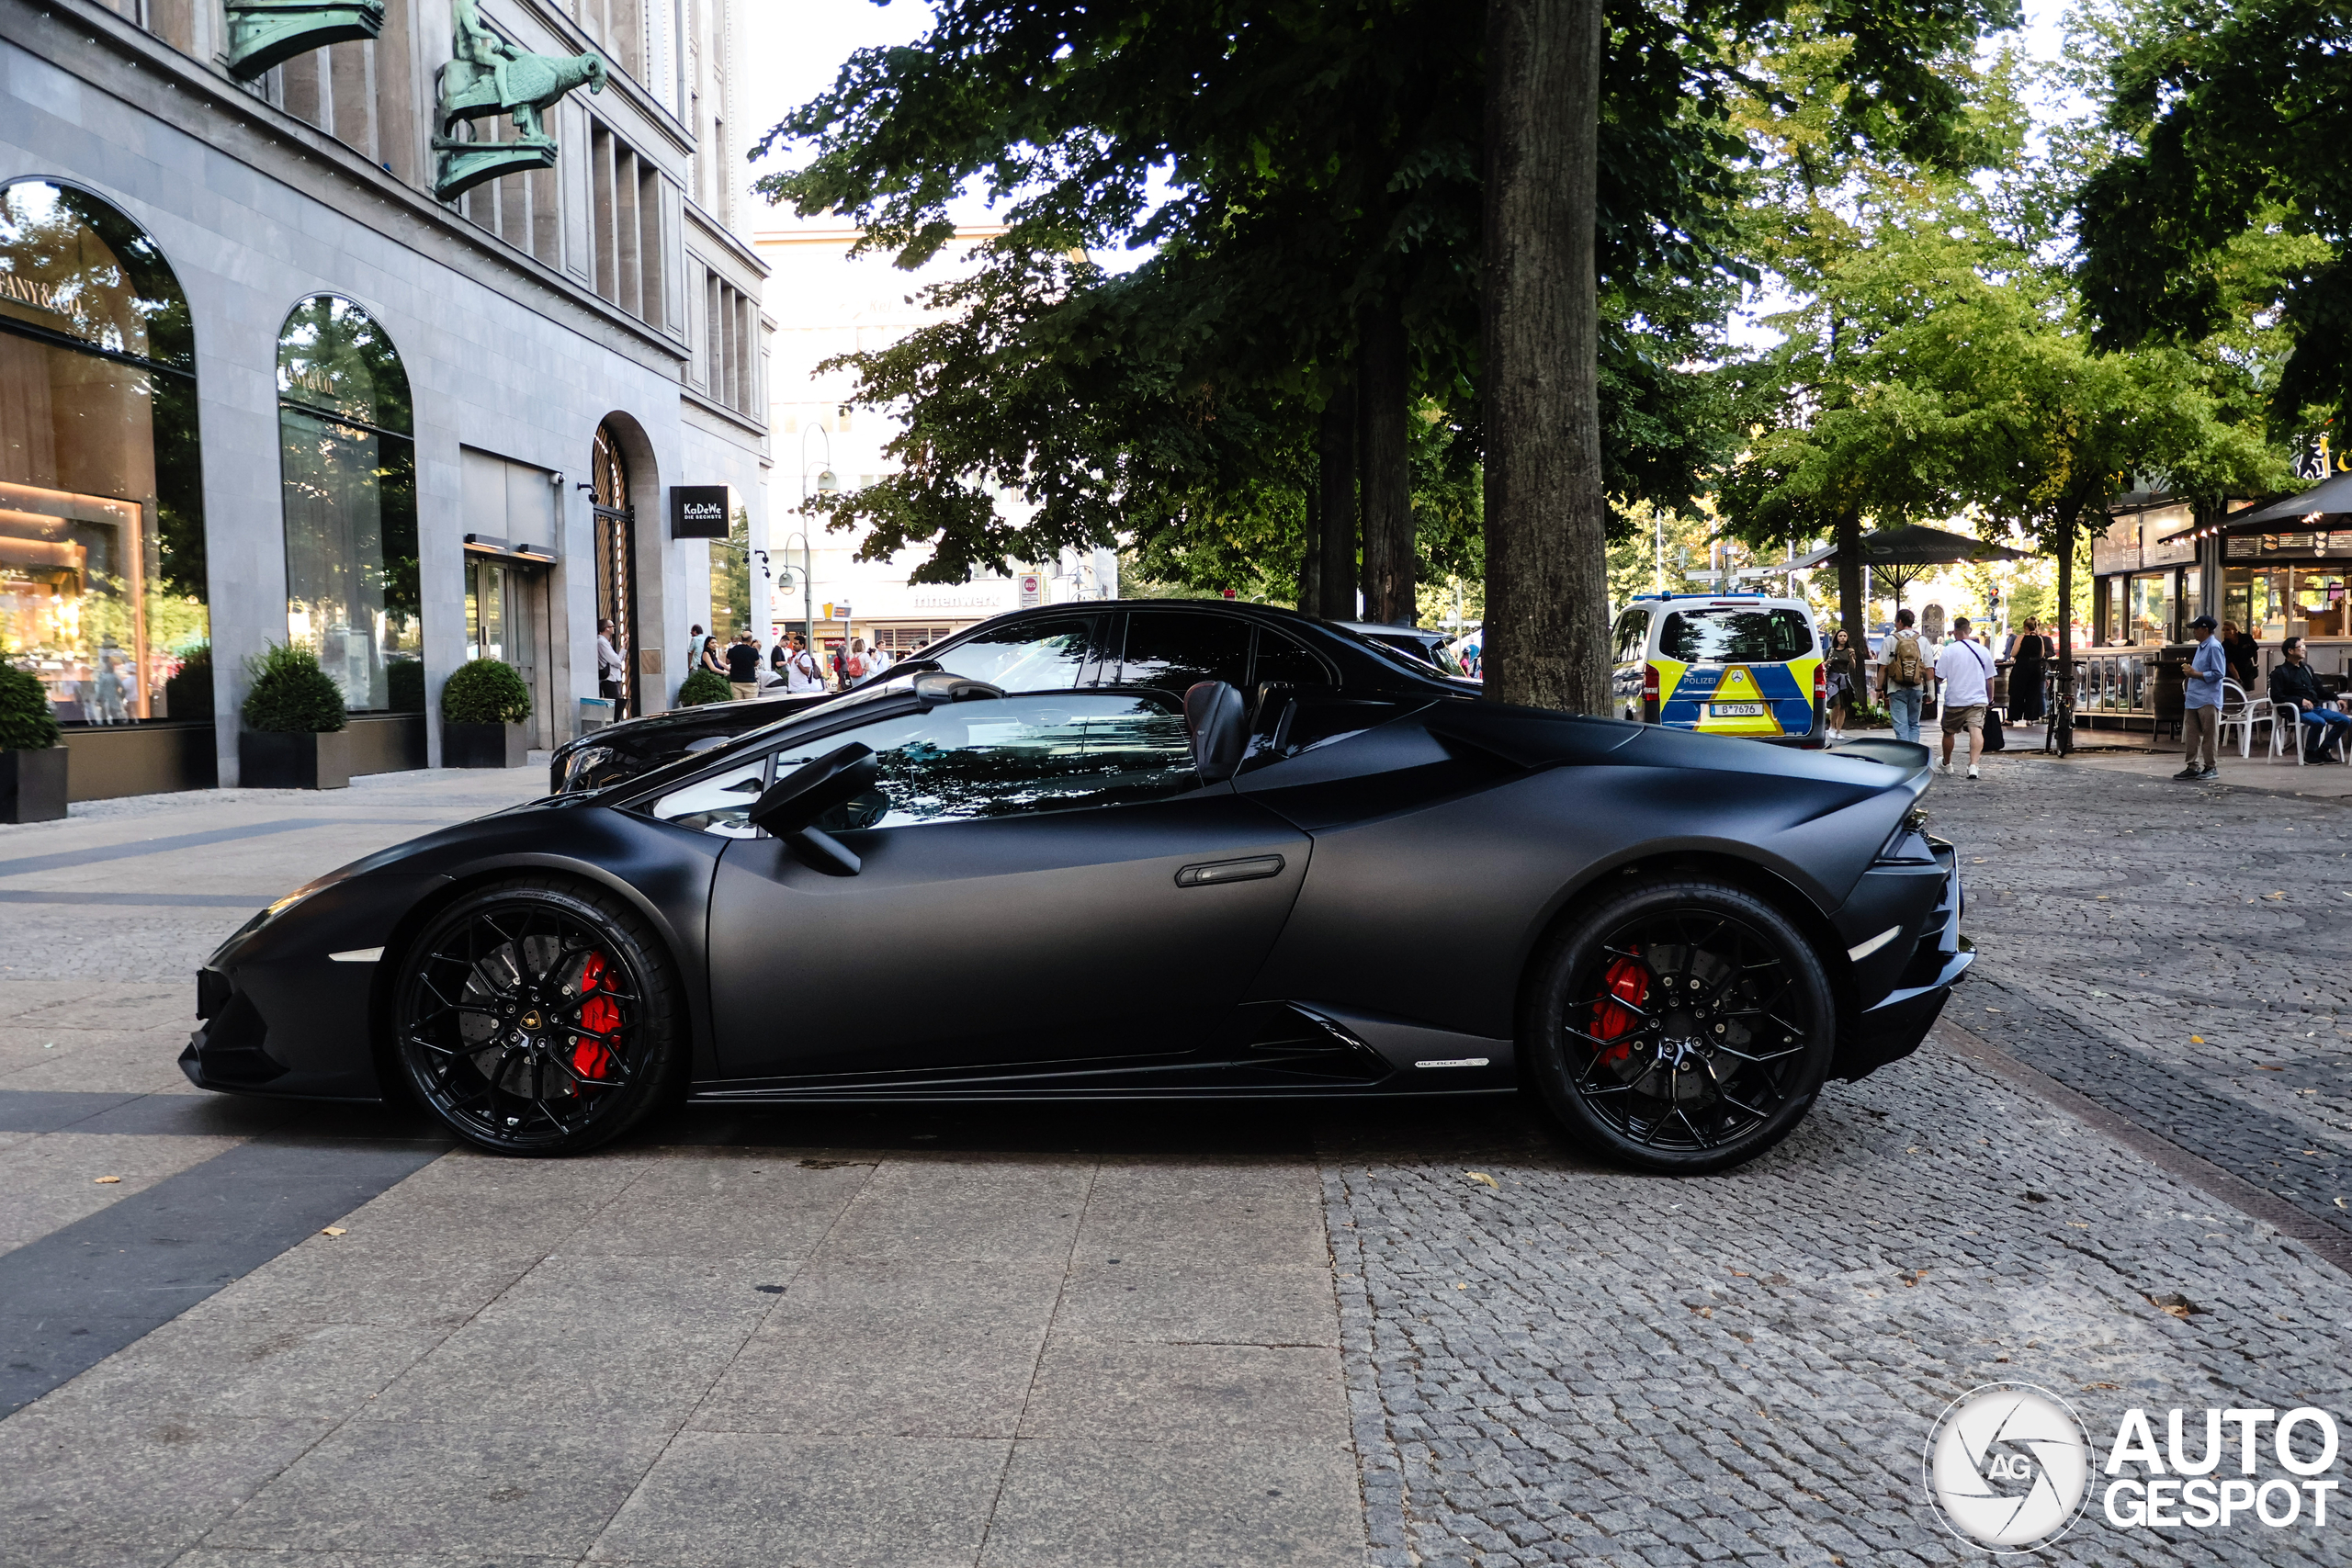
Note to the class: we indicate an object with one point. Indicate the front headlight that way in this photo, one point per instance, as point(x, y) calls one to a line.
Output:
point(267, 915)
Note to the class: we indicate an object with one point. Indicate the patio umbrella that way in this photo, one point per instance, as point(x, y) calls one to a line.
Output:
point(1898, 555)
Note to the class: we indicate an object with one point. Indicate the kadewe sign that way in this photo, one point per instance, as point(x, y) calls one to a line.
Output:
point(701, 512)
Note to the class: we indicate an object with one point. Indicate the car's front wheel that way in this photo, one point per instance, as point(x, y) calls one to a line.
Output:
point(538, 1017)
point(1682, 1025)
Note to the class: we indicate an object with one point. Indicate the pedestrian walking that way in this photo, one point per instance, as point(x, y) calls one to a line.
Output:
point(853, 663)
point(2029, 667)
point(803, 676)
point(2200, 719)
point(1840, 697)
point(1965, 674)
point(743, 667)
point(1903, 677)
point(610, 668)
point(2294, 688)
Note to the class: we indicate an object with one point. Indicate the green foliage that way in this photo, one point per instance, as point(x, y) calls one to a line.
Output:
point(404, 685)
point(703, 686)
point(1318, 163)
point(2220, 195)
point(188, 690)
point(485, 691)
point(25, 722)
point(289, 694)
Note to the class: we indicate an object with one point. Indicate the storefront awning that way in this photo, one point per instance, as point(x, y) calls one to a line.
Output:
point(2331, 498)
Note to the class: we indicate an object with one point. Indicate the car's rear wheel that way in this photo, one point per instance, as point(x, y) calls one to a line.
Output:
point(538, 1017)
point(1681, 1025)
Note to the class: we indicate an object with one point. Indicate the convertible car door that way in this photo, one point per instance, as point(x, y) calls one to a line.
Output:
point(1044, 886)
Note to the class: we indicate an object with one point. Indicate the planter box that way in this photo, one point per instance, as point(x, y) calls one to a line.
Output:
point(294, 762)
point(150, 757)
point(484, 745)
point(33, 786)
point(386, 742)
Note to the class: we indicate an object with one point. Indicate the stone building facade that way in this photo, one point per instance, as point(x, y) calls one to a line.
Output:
point(386, 327)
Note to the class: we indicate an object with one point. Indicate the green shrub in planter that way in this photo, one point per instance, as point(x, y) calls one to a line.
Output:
point(705, 687)
point(188, 692)
point(485, 691)
point(404, 683)
point(291, 695)
point(25, 722)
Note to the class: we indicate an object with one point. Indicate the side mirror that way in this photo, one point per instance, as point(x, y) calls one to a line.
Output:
point(938, 686)
point(789, 806)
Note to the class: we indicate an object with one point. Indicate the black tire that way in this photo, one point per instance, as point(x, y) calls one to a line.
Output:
point(539, 1016)
point(1704, 1084)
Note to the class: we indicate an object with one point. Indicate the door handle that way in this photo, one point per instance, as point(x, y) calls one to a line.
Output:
point(1215, 871)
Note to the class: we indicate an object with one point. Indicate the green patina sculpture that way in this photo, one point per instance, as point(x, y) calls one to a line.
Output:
point(488, 77)
point(263, 33)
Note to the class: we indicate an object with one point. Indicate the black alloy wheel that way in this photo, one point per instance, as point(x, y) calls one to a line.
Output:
point(1683, 1025)
point(537, 1018)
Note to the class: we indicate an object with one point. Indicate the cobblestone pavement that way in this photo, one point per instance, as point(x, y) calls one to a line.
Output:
point(2181, 954)
point(1580, 1366)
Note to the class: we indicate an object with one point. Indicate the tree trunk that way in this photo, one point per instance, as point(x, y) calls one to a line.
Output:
point(1547, 517)
point(1310, 554)
point(1336, 504)
point(2062, 710)
point(1382, 390)
point(1853, 599)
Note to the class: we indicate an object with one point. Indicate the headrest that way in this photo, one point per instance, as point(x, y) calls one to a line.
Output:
point(1218, 720)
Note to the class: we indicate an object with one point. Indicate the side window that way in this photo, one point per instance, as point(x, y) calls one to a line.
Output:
point(1632, 636)
point(1173, 651)
point(1013, 756)
point(717, 805)
point(1034, 656)
point(1280, 658)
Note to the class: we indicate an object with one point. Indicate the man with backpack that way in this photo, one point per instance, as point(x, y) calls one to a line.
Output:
point(1903, 677)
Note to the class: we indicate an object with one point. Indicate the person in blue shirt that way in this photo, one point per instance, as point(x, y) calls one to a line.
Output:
point(2201, 718)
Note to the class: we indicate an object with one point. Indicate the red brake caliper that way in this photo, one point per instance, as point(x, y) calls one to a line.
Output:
point(1626, 981)
point(601, 1013)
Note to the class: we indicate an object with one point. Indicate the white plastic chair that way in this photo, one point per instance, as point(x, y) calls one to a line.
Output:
point(2286, 734)
point(2241, 712)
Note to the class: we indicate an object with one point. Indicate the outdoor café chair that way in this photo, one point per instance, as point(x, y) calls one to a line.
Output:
point(2242, 713)
point(2286, 728)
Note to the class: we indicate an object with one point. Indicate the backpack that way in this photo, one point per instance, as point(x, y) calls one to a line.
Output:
point(852, 667)
point(1905, 666)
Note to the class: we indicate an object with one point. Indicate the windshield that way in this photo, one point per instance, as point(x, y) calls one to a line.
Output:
point(1734, 636)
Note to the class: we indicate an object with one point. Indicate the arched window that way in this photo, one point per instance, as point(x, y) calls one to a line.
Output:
point(102, 588)
point(349, 469)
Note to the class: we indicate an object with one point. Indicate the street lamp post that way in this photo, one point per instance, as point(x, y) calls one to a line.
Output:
point(826, 485)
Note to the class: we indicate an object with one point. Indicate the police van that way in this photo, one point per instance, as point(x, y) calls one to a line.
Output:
point(1722, 663)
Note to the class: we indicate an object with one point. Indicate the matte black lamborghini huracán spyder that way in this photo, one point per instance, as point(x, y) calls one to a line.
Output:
point(932, 889)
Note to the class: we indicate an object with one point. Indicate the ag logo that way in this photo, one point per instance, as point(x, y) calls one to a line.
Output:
point(2009, 1467)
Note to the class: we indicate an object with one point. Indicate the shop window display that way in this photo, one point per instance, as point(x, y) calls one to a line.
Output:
point(102, 580)
point(349, 469)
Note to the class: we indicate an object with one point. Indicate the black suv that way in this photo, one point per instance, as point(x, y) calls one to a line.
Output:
point(1165, 643)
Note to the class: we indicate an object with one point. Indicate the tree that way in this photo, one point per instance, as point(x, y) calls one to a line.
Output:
point(1322, 171)
point(2221, 190)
